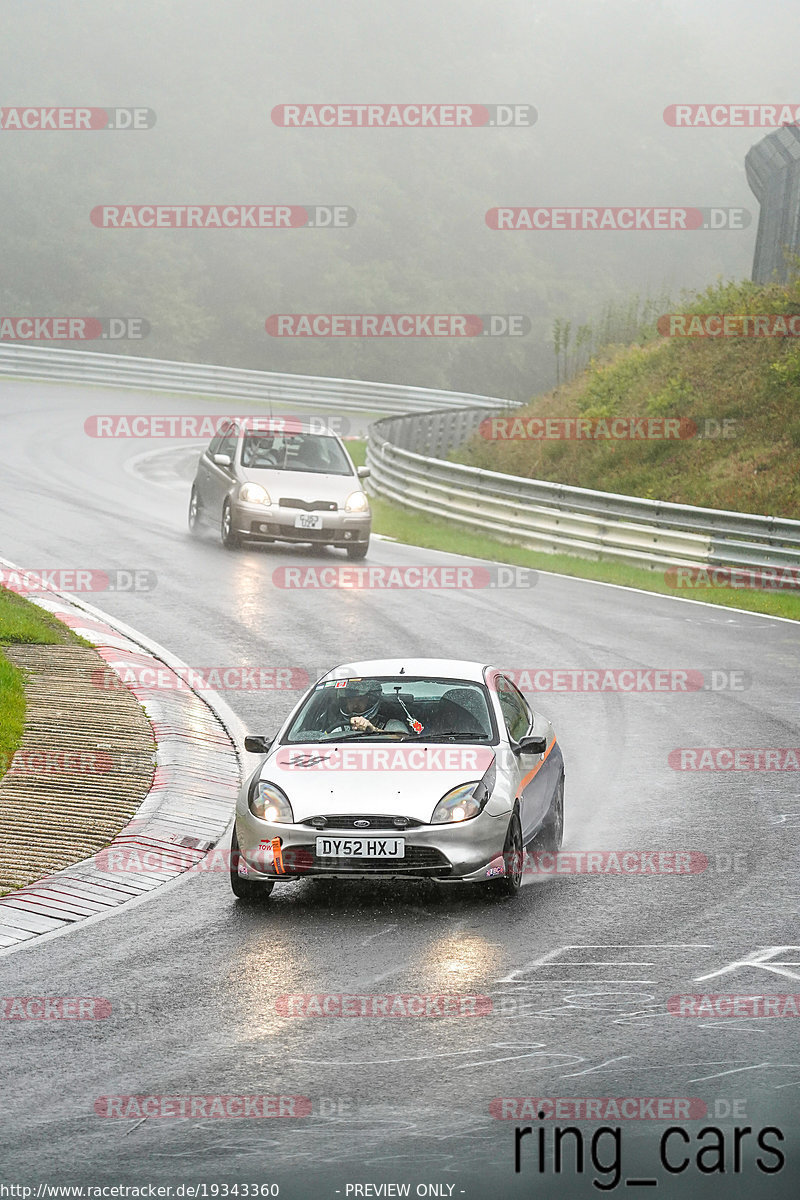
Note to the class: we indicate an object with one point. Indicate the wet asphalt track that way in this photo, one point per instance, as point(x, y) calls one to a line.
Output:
point(580, 968)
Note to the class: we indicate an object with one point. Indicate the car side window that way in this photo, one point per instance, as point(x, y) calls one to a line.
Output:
point(516, 713)
point(214, 447)
point(230, 438)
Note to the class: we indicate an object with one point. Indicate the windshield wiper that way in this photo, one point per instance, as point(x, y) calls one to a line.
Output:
point(455, 733)
point(367, 733)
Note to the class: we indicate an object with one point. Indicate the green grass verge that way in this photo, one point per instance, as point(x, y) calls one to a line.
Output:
point(357, 449)
point(22, 623)
point(418, 529)
point(12, 711)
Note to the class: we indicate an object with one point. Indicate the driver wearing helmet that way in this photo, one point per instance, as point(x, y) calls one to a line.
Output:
point(359, 705)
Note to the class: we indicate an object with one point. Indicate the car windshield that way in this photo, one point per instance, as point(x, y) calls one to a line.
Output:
point(314, 453)
point(399, 706)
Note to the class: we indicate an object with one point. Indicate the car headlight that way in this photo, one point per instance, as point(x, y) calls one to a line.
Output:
point(357, 502)
point(268, 803)
point(254, 493)
point(464, 802)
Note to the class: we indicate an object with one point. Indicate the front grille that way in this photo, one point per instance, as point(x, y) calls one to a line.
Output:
point(348, 821)
point(309, 505)
point(305, 535)
point(418, 860)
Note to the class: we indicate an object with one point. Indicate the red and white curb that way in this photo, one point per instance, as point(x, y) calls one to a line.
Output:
point(185, 813)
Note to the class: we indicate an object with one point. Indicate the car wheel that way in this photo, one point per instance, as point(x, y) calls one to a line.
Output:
point(510, 883)
point(358, 550)
point(245, 889)
point(230, 539)
point(551, 834)
point(194, 512)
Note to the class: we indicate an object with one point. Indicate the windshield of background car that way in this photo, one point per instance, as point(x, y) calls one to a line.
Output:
point(311, 452)
point(443, 707)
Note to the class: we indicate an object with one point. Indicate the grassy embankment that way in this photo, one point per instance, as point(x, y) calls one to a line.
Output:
point(21, 622)
point(747, 387)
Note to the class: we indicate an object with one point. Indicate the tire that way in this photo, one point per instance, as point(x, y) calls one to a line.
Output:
point(551, 834)
point(509, 885)
point(194, 512)
point(245, 890)
point(358, 550)
point(228, 536)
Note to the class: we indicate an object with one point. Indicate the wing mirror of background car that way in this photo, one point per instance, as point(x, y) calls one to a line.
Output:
point(531, 745)
point(257, 745)
point(363, 472)
point(223, 460)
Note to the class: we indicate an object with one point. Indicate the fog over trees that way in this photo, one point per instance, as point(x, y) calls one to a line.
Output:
point(599, 73)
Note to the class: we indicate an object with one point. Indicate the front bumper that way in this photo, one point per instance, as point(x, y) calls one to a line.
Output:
point(273, 522)
point(458, 853)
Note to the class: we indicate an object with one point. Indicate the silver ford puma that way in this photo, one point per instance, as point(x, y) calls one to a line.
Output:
point(421, 768)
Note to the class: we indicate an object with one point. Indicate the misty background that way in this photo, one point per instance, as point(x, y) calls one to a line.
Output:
point(599, 72)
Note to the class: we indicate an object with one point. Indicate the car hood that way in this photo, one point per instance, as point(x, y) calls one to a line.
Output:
point(303, 485)
point(397, 779)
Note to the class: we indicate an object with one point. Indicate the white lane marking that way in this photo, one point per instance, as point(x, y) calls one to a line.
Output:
point(733, 1071)
point(760, 960)
point(599, 1067)
point(720, 610)
point(551, 961)
point(384, 1062)
point(490, 1062)
point(386, 929)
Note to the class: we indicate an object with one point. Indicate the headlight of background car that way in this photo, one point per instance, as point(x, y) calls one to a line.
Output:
point(254, 493)
point(270, 804)
point(356, 502)
point(464, 802)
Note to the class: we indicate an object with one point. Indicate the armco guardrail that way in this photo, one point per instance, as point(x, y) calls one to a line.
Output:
point(404, 454)
point(160, 375)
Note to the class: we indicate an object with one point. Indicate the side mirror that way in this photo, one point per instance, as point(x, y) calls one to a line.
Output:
point(531, 745)
point(258, 745)
point(363, 472)
point(223, 460)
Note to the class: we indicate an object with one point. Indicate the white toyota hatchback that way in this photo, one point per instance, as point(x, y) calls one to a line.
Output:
point(421, 768)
